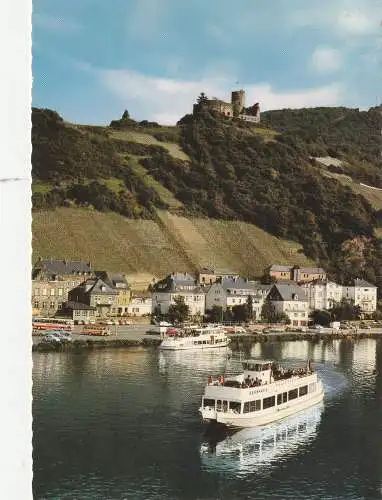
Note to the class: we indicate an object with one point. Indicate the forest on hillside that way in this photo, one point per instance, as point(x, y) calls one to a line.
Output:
point(233, 174)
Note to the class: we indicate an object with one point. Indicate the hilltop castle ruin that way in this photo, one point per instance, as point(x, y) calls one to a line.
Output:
point(234, 109)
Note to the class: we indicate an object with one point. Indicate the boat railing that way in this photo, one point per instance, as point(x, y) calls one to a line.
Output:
point(221, 381)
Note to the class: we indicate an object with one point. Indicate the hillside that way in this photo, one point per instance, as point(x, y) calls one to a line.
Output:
point(211, 176)
point(154, 248)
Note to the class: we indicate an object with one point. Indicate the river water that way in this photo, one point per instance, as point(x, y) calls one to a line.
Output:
point(123, 424)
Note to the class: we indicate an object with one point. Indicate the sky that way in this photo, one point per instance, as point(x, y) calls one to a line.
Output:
point(93, 59)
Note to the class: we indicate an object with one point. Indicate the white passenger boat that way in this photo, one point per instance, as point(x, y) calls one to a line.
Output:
point(263, 393)
point(196, 338)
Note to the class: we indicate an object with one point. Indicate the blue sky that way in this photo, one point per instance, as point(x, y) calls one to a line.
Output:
point(92, 59)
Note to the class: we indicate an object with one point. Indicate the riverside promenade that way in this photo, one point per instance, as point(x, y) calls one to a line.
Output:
point(139, 336)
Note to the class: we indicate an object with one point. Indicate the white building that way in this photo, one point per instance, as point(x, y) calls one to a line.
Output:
point(363, 294)
point(230, 292)
point(322, 294)
point(140, 306)
point(291, 300)
point(165, 291)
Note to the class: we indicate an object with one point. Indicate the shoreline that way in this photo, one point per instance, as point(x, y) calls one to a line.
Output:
point(150, 342)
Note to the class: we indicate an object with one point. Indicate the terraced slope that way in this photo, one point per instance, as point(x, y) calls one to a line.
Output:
point(155, 248)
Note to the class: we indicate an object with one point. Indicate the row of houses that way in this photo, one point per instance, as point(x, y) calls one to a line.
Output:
point(73, 288)
point(296, 300)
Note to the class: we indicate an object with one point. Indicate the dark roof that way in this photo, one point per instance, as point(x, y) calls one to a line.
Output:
point(115, 280)
point(287, 292)
point(359, 282)
point(320, 281)
point(177, 283)
point(217, 271)
point(239, 284)
point(281, 269)
point(99, 286)
point(311, 270)
point(78, 306)
point(232, 285)
point(62, 267)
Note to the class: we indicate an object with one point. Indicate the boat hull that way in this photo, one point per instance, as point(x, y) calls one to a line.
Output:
point(259, 419)
point(185, 347)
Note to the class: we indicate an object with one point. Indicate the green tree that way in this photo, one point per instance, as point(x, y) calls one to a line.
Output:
point(250, 307)
point(215, 315)
point(240, 313)
point(346, 310)
point(202, 98)
point(228, 315)
point(178, 312)
point(320, 317)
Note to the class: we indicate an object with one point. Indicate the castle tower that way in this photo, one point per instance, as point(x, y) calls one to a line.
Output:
point(238, 102)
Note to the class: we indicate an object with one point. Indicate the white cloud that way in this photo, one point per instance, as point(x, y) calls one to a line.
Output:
point(167, 100)
point(326, 60)
point(356, 22)
point(341, 17)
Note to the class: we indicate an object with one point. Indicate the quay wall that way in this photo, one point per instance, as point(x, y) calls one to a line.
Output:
point(238, 340)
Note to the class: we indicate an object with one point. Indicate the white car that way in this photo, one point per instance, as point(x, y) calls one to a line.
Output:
point(52, 337)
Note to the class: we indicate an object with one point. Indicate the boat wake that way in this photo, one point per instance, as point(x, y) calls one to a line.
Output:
point(335, 383)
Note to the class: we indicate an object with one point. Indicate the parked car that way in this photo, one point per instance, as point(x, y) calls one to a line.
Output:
point(64, 335)
point(52, 337)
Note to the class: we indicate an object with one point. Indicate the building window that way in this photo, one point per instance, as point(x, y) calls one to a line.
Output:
point(43, 305)
point(59, 305)
point(52, 305)
point(44, 291)
point(52, 291)
point(60, 291)
point(36, 304)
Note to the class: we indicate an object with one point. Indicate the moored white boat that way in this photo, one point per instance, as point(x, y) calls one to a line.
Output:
point(263, 393)
point(196, 338)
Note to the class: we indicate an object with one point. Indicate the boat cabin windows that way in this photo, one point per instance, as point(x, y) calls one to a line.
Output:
point(208, 402)
point(303, 390)
point(312, 387)
point(282, 398)
point(235, 406)
point(268, 402)
point(251, 406)
point(256, 367)
point(293, 394)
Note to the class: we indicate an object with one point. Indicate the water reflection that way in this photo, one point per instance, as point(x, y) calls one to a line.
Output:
point(201, 361)
point(239, 453)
